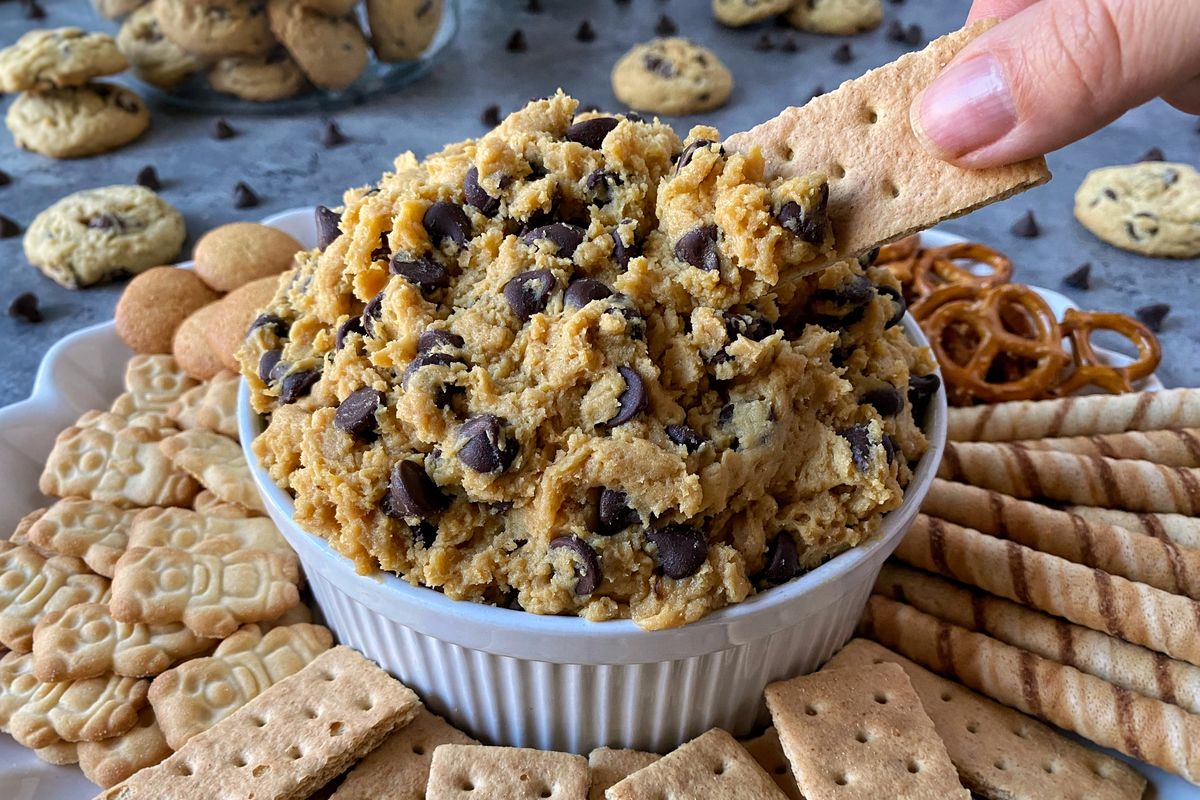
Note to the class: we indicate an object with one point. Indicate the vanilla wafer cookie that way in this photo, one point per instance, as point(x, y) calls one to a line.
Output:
point(860, 733)
point(711, 765)
point(78, 711)
point(126, 469)
point(504, 773)
point(1001, 754)
point(768, 752)
point(399, 768)
point(211, 406)
point(1178, 528)
point(287, 742)
point(32, 587)
point(90, 530)
point(1083, 415)
point(110, 761)
point(1090, 597)
point(1115, 660)
point(154, 382)
point(1156, 562)
point(84, 641)
point(1172, 448)
point(213, 594)
point(200, 693)
point(217, 462)
point(1070, 478)
point(1148, 730)
point(185, 529)
point(879, 171)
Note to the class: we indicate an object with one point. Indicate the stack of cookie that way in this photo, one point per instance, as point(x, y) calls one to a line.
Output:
point(840, 17)
point(62, 111)
point(155, 556)
point(1056, 568)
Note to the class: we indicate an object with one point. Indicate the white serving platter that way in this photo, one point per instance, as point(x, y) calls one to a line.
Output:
point(84, 371)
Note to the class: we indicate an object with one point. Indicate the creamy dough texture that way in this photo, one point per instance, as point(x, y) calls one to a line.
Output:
point(578, 366)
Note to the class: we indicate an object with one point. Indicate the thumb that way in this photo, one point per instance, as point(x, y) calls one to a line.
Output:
point(1053, 73)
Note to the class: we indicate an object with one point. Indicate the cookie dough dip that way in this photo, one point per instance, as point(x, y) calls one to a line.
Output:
point(579, 366)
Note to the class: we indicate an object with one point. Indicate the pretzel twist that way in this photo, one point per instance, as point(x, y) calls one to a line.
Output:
point(1092, 370)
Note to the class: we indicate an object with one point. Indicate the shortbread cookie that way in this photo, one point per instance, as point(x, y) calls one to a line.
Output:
point(32, 587)
point(290, 740)
point(608, 766)
point(331, 51)
point(153, 57)
point(185, 529)
point(91, 530)
point(1152, 208)
point(78, 121)
point(216, 28)
point(505, 773)
point(235, 254)
point(210, 406)
point(127, 469)
point(212, 594)
point(50, 58)
point(262, 79)
point(102, 234)
point(191, 347)
point(843, 17)
point(84, 641)
point(198, 694)
point(711, 765)
point(736, 13)
point(75, 711)
point(155, 304)
point(153, 383)
point(217, 462)
point(110, 761)
point(227, 325)
point(402, 29)
point(114, 9)
point(671, 76)
point(768, 752)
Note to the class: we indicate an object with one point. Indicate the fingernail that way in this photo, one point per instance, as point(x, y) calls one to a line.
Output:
point(967, 107)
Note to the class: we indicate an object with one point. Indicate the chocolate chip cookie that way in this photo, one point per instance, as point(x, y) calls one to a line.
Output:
point(331, 51)
point(1152, 208)
point(77, 121)
point(216, 28)
point(258, 78)
point(115, 9)
point(56, 57)
point(736, 13)
point(842, 17)
point(671, 76)
point(104, 234)
point(402, 29)
point(153, 57)
point(580, 366)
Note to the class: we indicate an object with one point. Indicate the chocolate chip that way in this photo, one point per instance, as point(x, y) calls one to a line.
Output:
point(764, 43)
point(485, 450)
point(843, 53)
point(277, 323)
point(34, 10)
point(1080, 277)
point(565, 236)
point(615, 513)
point(148, 176)
point(411, 493)
point(106, 221)
point(5, 178)
point(666, 26)
point(534, 6)
point(220, 129)
point(895, 31)
point(698, 247)
point(445, 220)
point(423, 272)
point(585, 33)
point(426, 360)
point(425, 532)
point(490, 116)
point(297, 385)
point(632, 401)
point(860, 445)
point(591, 132)
point(752, 326)
point(352, 325)
point(817, 91)
point(267, 363)
point(356, 414)
point(600, 184)
point(25, 308)
point(1152, 316)
point(1153, 154)
point(623, 252)
point(1026, 227)
point(789, 45)
point(725, 415)
point(898, 303)
point(921, 389)
point(808, 225)
point(384, 251)
point(857, 291)
point(371, 312)
point(477, 196)
point(516, 42)
point(9, 228)
point(681, 550)
point(886, 400)
point(332, 136)
point(528, 293)
point(889, 447)
point(685, 436)
point(244, 196)
point(689, 150)
point(327, 221)
point(587, 572)
point(434, 338)
point(783, 561)
point(584, 290)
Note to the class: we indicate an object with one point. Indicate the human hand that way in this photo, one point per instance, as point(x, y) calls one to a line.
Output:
point(1054, 71)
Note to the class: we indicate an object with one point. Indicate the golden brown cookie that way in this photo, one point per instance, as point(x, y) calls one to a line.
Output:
point(155, 304)
point(235, 254)
point(331, 51)
point(232, 316)
point(214, 28)
point(190, 344)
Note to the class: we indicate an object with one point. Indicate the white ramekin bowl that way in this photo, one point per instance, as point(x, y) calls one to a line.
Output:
point(563, 683)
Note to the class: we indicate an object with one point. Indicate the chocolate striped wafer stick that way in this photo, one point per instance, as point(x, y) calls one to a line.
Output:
point(1172, 448)
point(1070, 478)
point(1149, 730)
point(1178, 528)
point(1157, 562)
point(1084, 415)
point(1133, 611)
point(1115, 660)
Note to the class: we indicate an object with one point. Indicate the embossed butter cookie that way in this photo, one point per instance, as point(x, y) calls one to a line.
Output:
point(843, 17)
point(736, 13)
point(1151, 208)
point(56, 57)
point(671, 76)
point(77, 121)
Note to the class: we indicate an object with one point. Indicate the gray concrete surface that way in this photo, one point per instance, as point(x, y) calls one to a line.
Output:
point(282, 159)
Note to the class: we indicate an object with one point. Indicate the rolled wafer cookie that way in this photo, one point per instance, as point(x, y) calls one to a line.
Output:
point(1172, 448)
point(1133, 611)
point(1157, 562)
point(1178, 528)
point(1085, 415)
point(1149, 730)
point(1115, 660)
point(1070, 478)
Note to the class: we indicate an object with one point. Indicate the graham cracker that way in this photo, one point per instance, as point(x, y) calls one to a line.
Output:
point(861, 733)
point(476, 772)
point(399, 768)
point(883, 185)
point(1000, 753)
point(288, 741)
point(711, 765)
point(609, 765)
point(768, 752)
